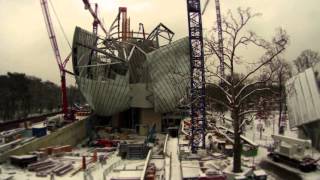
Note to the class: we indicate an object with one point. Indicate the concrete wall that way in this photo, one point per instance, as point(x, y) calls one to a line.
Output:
point(311, 131)
point(71, 134)
point(149, 117)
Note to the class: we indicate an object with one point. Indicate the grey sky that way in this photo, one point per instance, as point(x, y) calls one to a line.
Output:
point(25, 47)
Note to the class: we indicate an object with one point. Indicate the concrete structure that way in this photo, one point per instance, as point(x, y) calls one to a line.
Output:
point(71, 134)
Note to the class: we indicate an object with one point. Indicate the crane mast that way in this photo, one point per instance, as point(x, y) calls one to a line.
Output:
point(197, 73)
point(95, 21)
point(220, 38)
point(54, 44)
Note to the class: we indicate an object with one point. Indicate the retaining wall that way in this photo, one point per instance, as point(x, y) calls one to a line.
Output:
point(71, 134)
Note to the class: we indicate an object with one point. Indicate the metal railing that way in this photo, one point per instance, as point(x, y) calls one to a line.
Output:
point(143, 174)
point(110, 168)
point(165, 145)
point(170, 165)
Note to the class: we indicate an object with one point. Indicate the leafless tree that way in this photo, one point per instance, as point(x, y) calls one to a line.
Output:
point(238, 90)
point(282, 71)
point(306, 59)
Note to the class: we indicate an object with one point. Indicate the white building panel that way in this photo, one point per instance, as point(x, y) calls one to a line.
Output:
point(303, 98)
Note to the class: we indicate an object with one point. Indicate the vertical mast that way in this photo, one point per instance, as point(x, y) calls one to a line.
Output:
point(198, 106)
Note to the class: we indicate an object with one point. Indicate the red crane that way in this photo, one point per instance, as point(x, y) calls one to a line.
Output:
point(61, 64)
point(94, 13)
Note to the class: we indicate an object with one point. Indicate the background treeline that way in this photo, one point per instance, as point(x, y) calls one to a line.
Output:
point(23, 96)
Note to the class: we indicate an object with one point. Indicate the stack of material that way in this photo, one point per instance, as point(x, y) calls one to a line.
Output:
point(63, 169)
point(40, 154)
point(23, 160)
point(61, 149)
point(44, 168)
point(56, 149)
point(47, 150)
point(41, 166)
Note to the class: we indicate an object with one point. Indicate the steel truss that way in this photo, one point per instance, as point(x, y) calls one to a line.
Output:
point(198, 110)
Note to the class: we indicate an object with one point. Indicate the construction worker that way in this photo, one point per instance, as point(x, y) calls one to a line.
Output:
point(210, 143)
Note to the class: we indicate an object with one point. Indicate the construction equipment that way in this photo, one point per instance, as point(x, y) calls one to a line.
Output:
point(220, 37)
point(61, 64)
point(94, 13)
point(198, 105)
point(54, 122)
point(292, 151)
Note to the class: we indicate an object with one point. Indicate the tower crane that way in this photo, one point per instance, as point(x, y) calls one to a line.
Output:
point(94, 13)
point(95, 21)
point(197, 80)
point(61, 64)
point(220, 37)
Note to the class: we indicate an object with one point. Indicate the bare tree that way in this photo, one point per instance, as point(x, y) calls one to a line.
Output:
point(238, 90)
point(282, 71)
point(306, 59)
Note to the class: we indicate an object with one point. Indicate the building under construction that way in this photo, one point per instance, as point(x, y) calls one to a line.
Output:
point(139, 83)
point(133, 76)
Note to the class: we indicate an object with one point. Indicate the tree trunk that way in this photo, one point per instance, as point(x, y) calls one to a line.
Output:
point(237, 145)
point(280, 129)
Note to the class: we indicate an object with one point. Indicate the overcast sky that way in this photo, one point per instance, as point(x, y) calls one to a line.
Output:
point(25, 47)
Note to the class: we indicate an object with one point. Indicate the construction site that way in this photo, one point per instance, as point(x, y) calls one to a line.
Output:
point(158, 107)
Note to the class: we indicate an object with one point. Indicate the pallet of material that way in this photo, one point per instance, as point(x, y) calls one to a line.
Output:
point(61, 149)
point(56, 149)
point(58, 169)
point(46, 168)
point(47, 171)
point(63, 169)
point(47, 150)
point(35, 166)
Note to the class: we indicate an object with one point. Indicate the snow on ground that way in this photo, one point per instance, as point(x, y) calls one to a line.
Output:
point(279, 171)
point(172, 149)
point(22, 174)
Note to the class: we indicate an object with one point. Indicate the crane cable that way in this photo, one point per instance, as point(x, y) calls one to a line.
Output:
point(205, 7)
point(61, 27)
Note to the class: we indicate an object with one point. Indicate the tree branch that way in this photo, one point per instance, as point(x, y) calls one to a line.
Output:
point(249, 94)
point(261, 65)
point(220, 102)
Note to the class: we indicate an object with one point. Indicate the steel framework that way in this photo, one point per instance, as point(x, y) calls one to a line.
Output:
point(61, 64)
point(198, 110)
point(93, 12)
point(220, 38)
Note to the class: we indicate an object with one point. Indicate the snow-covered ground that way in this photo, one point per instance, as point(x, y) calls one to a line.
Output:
point(271, 127)
point(172, 150)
